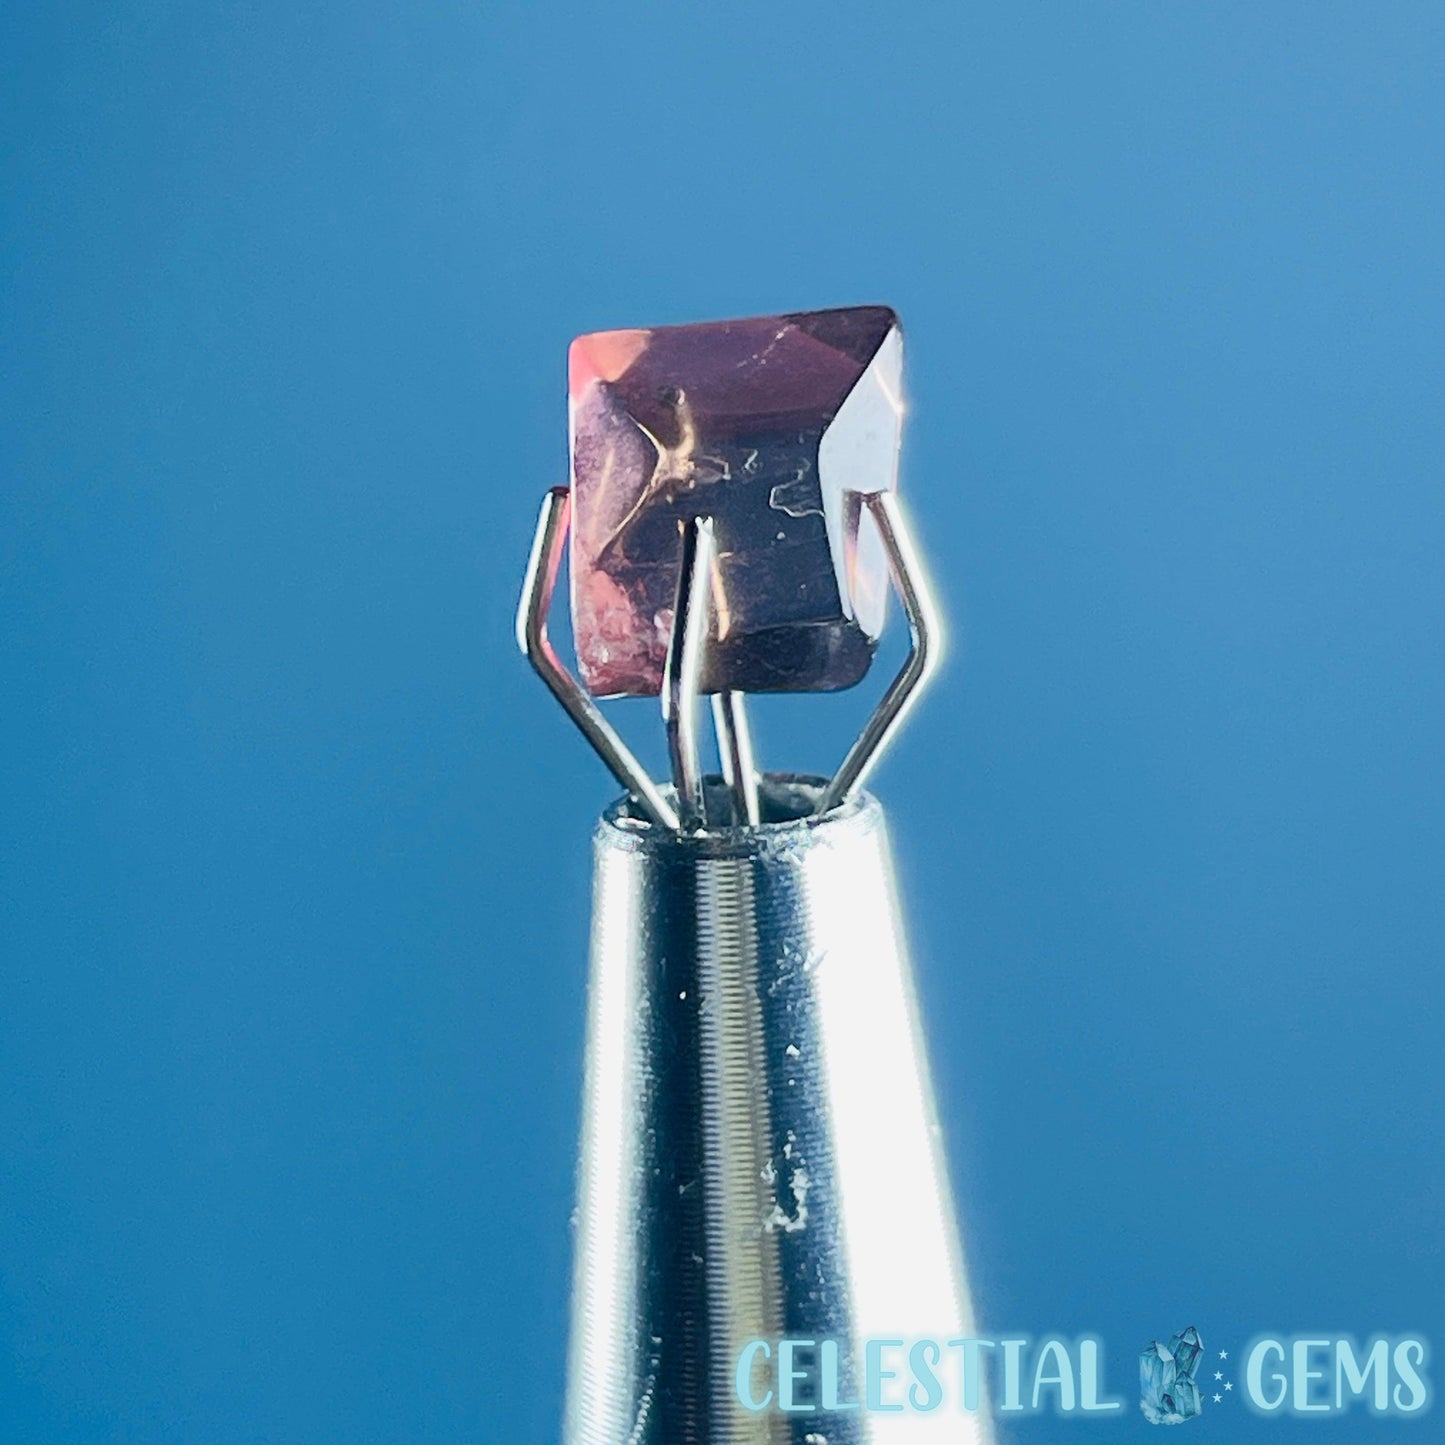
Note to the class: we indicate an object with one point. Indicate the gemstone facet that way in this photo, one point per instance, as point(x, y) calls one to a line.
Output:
point(1168, 1394)
point(774, 427)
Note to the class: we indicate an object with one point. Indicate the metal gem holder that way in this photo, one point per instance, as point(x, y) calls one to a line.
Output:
point(684, 810)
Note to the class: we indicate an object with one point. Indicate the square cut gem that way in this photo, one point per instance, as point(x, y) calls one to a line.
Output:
point(775, 427)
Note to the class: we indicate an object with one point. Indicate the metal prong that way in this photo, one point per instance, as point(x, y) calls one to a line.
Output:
point(924, 629)
point(682, 675)
point(532, 638)
point(735, 746)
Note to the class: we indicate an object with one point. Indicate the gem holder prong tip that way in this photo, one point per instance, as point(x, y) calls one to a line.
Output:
point(682, 674)
point(532, 614)
point(735, 746)
point(910, 581)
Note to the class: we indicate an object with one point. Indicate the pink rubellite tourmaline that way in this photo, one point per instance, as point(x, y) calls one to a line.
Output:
point(774, 427)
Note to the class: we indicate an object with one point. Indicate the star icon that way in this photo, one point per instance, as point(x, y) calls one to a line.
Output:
point(1218, 1398)
point(1228, 1385)
point(1224, 1354)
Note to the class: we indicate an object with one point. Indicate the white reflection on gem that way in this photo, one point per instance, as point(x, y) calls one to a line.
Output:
point(859, 453)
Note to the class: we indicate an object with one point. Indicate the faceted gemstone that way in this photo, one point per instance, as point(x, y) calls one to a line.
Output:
point(774, 427)
point(1168, 1394)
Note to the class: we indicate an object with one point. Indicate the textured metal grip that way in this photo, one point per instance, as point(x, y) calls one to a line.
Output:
point(760, 1156)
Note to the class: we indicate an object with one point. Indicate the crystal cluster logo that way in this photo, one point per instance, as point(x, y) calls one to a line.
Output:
point(1168, 1393)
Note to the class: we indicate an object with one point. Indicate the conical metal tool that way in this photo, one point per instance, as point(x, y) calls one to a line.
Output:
point(760, 1150)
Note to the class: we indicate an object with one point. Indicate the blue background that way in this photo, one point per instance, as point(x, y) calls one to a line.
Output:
point(295, 848)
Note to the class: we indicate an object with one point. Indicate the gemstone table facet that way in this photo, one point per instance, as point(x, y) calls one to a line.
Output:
point(774, 427)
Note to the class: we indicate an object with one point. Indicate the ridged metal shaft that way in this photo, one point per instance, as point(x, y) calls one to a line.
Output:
point(760, 1153)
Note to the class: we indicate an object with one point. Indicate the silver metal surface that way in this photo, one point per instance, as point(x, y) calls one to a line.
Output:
point(532, 614)
point(682, 674)
point(925, 629)
point(760, 1153)
point(735, 747)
